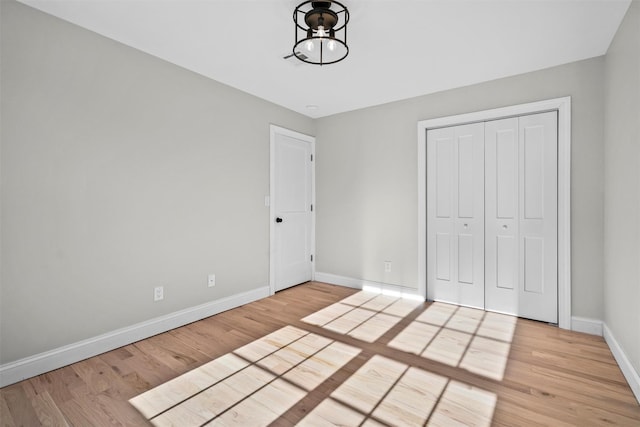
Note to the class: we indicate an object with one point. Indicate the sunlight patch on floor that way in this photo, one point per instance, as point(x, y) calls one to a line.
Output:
point(464, 405)
point(259, 382)
point(254, 385)
point(364, 315)
point(468, 338)
point(387, 392)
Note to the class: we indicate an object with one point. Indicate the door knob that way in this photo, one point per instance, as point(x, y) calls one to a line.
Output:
point(278, 219)
point(504, 226)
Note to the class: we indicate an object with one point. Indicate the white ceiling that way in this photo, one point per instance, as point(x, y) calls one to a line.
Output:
point(398, 48)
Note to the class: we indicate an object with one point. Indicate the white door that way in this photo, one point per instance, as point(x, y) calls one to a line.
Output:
point(521, 216)
point(501, 212)
point(455, 215)
point(538, 161)
point(291, 202)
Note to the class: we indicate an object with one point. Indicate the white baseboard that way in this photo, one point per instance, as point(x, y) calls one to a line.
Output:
point(44, 362)
point(334, 279)
point(629, 372)
point(383, 288)
point(586, 325)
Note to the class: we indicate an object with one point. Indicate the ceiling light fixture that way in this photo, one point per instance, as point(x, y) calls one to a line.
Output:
point(321, 32)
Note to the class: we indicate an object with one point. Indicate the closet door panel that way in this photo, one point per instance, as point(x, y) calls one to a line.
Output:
point(469, 221)
point(521, 216)
point(533, 171)
point(501, 211)
point(465, 258)
point(538, 240)
point(466, 168)
point(505, 150)
point(506, 263)
point(455, 215)
point(441, 201)
point(443, 180)
point(443, 257)
point(533, 260)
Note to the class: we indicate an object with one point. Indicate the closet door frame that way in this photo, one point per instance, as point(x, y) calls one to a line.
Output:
point(563, 107)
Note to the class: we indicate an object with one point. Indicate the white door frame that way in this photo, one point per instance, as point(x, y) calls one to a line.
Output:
point(563, 107)
point(273, 130)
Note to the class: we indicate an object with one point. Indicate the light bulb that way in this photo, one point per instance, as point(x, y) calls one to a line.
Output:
point(331, 45)
point(321, 32)
point(309, 45)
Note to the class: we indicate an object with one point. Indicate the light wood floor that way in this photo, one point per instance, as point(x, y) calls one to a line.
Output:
point(321, 354)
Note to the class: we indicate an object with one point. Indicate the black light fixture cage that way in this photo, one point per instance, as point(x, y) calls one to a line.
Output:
point(321, 32)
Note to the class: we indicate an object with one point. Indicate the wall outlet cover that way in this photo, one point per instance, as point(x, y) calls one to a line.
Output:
point(158, 293)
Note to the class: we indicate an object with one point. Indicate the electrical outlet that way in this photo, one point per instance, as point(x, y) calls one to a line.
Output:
point(212, 280)
point(387, 266)
point(158, 293)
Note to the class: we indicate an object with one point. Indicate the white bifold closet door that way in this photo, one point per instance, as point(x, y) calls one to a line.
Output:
point(521, 225)
point(455, 212)
point(492, 215)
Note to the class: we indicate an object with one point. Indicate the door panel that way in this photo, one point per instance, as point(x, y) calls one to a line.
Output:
point(443, 256)
point(533, 171)
point(465, 176)
point(506, 169)
point(465, 258)
point(533, 265)
point(444, 191)
point(506, 263)
point(440, 223)
point(292, 204)
point(538, 296)
point(521, 216)
point(455, 215)
point(501, 216)
point(293, 162)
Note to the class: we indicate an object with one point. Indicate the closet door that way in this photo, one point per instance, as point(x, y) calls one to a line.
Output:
point(521, 216)
point(538, 161)
point(502, 220)
point(455, 215)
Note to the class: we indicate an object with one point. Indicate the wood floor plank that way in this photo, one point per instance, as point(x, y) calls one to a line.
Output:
point(47, 411)
point(98, 376)
point(509, 414)
point(6, 419)
point(20, 408)
point(90, 410)
point(172, 353)
point(341, 357)
point(148, 368)
point(574, 389)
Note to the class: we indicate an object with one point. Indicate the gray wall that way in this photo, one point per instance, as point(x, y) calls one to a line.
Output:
point(121, 172)
point(367, 177)
point(622, 186)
